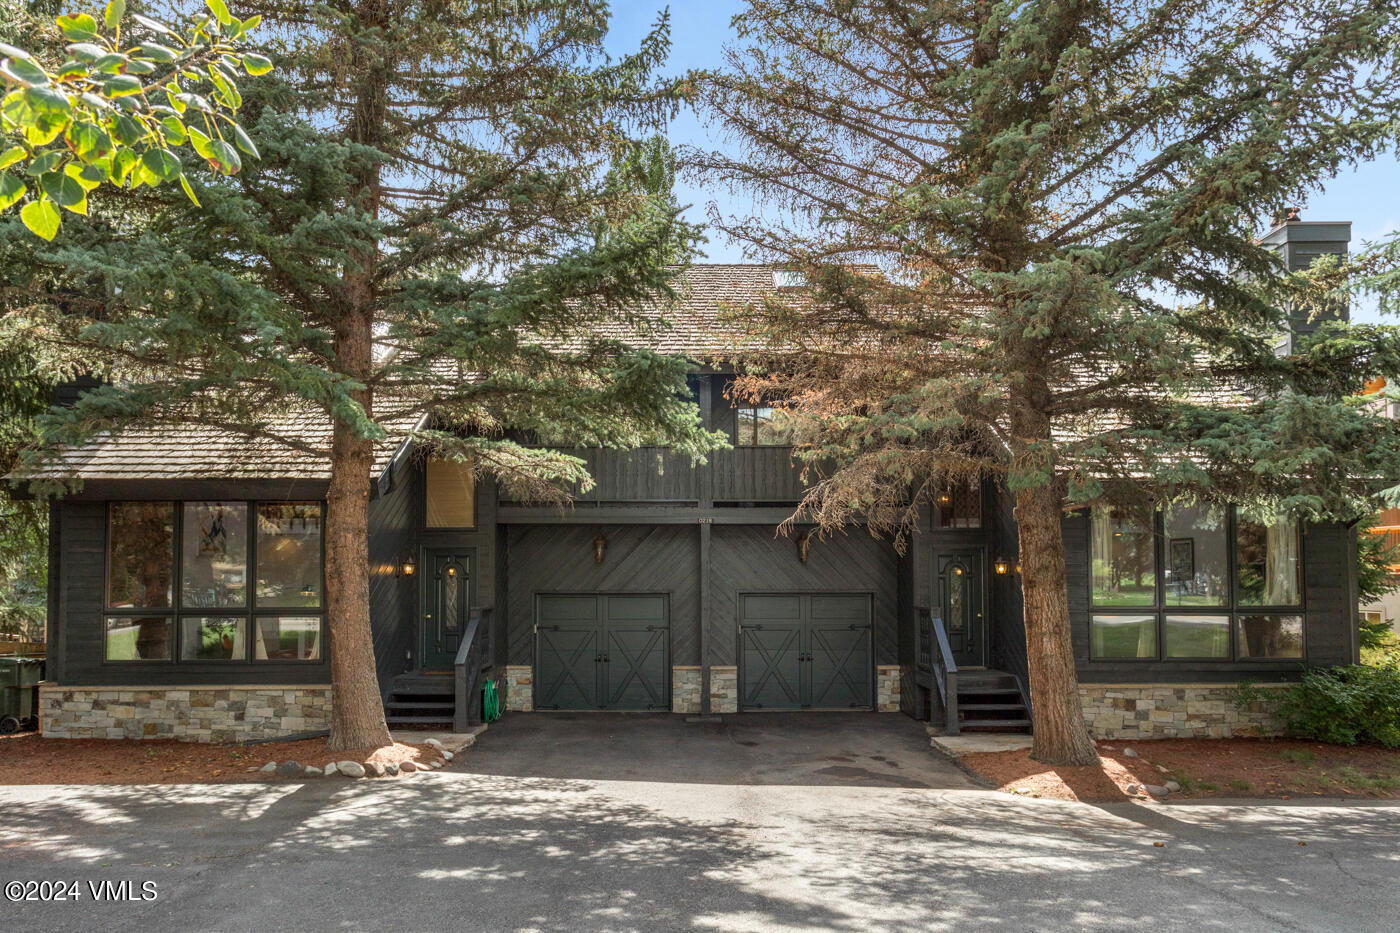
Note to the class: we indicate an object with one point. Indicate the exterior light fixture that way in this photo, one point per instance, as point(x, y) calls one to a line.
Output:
point(600, 549)
point(804, 546)
point(1002, 566)
point(407, 566)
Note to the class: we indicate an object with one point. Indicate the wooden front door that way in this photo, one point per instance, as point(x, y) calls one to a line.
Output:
point(448, 607)
point(960, 600)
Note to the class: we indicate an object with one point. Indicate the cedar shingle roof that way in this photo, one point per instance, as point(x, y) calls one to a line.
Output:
point(695, 327)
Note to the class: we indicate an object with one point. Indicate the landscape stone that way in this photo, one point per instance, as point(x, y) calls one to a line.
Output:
point(331, 768)
point(446, 754)
point(391, 769)
point(1132, 789)
point(1157, 790)
point(1172, 786)
point(1129, 753)
point(289, 769)
point(311, 771)
point(270, 767)
point(351, 769)
point(408, 767)
point(374, 767)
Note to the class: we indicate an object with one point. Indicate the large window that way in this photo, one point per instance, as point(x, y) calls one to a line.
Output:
point(1197, 583)
point(206, 553)
point(451, 494)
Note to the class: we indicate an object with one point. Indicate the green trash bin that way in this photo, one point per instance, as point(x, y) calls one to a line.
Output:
point(19, 693)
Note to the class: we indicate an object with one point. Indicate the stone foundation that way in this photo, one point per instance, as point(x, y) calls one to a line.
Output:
point(190, 714)
point(887, 680)
point(685, 690)
point(724, 689)
point(520, 688)
point(1175, 711)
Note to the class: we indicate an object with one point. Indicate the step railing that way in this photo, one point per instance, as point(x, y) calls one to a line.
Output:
point(943, 669)
point(473, 660)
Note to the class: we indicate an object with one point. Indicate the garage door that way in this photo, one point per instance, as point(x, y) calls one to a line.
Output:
point(805, 652)
point(602, 652)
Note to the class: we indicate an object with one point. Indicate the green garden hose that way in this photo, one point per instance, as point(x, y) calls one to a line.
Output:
point(490, 702)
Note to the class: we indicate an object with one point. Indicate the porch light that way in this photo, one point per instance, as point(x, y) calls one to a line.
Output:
point(804, 546)
point(407, 566)
point(1002, 566)
point(600, 549)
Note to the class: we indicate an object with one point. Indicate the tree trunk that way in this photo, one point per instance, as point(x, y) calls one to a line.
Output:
point(357, 710)
point(1060, 735)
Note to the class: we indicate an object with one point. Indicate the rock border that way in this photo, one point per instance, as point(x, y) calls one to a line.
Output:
point(372, 769)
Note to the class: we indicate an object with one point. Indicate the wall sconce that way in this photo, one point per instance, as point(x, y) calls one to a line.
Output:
point(407, 566)
point(600, 548)
point(944, 498)
point(804, 546)
point(1002, 566)
point(1018, 570)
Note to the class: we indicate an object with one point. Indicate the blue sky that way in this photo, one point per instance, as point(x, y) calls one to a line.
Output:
point(1369, 196)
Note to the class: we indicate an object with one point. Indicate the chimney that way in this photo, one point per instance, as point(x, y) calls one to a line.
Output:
point(1298, 242)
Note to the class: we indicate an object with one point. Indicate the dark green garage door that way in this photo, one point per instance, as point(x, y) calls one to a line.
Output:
point(602, 652)
point(805, 652)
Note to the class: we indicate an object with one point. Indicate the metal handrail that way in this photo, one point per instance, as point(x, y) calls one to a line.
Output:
point(468, 665)
point(945, 671)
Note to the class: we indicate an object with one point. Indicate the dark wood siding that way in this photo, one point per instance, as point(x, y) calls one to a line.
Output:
point(393, 533)
point(751, 559)
point(756, 474)
point(1008, 626)
point(639, 559)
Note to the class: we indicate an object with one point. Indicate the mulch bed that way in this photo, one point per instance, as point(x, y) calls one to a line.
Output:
point(1280, 769)
point(26, 758)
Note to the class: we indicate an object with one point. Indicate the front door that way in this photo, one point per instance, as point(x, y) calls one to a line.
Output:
point(448, 607)
point(805, 652)
point(959, 577)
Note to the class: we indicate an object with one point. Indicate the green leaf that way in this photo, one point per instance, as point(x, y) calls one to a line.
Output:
point(44, 129)
point(127, 131)
point(63, 188)
point(174, 131)
point(12, 155)
point(195, 101)
point(201, 143)
point(156, 52)
point(176, 103)
point(85, 51)
point(41, 217)
point(46, 162)
point(153, 25)
point(79, 174)
point(93, 101)
point(249, 24)
point(23, 71)
point(48, 100)
point(220, 11)
point(79, 28)
point(110, 63)
point(112, 16)
point(89, 141)
point(122, 164)
point(163, 164)
point(10, 51)
point(121, 86)
point(71, 69)
point(245, 142)
point(137, 66)
point(189, 192)
point(257, 64)
point(225, 157)
point(90, 176)
point(11, 190)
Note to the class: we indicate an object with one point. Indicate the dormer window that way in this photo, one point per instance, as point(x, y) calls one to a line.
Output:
point(762, 426)
point(788, 280)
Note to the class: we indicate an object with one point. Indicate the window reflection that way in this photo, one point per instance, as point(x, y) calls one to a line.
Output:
point(289, 555)
point(214, 555)
point(1124, 557)
point(141, 537)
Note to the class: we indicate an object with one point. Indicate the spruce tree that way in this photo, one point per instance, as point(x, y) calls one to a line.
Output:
point(453, 201)
point(1029, 234)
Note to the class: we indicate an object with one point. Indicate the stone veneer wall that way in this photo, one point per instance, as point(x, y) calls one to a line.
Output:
point(685, 690)
point(724, 689)
point(1174, 711)
point(520, 688)
point(190, 714)
point(887, 677)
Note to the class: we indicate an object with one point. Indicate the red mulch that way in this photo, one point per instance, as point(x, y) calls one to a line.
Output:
point(1269, 768)
point(26, 758)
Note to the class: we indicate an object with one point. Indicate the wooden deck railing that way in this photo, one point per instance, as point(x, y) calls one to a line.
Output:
point(472, 662)
point(936, 655)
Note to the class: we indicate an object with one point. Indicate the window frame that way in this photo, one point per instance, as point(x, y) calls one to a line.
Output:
point(1233, 608)
point(752, 443)
point(176, 613)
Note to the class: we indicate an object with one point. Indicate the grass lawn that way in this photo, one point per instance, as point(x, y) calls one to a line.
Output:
point(1268, 768)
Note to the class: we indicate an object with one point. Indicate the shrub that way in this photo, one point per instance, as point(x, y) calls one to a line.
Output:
point(1345, 705)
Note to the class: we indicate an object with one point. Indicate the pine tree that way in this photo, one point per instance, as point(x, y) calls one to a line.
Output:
point(453, 201)
point(1028, 231)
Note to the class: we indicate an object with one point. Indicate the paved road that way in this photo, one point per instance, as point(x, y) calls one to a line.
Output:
point(766, 823)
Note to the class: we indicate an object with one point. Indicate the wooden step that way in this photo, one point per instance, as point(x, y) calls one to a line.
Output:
point(418, 704)
point(397, 720)
point(994, 724)
point(414, 688)
point(1007, 707)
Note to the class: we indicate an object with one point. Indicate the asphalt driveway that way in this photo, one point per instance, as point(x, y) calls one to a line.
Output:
point(841, 822)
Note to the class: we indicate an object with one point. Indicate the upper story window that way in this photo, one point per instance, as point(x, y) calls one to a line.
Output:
point(762, 426)
point(451, 494)
point(178, 581)
point(958, 506)
point(1206, 584)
